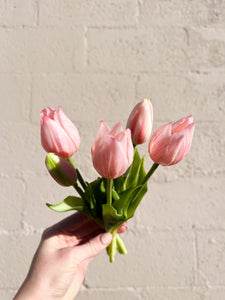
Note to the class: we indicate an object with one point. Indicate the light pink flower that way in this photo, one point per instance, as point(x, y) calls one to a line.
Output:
point(61, 169)
point(170, 143)
point(58, 133)
point(140, 122)
point(112, 151)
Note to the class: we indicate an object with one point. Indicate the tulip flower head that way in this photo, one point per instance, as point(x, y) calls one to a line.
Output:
point(58, 134)
point(140, 122)
point(61, 169)
point(112, 151)
point(170, 143)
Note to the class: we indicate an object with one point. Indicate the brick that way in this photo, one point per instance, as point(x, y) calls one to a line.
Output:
point(11, 203)
point(150, 262)
point(167, 293)
point(210, 258)
point(15, 91)
point(18, 13)
point(85, 98)
point(125, 294)
point(137, 50)
point(16, 255)
point(22, 141)
point(207, 136)
point(210, 293)
point(206, 50)
point(90, 13)
point(190, 13)
point(22, 50)
point(41, 190)
point(176, 96)
point(183, 204)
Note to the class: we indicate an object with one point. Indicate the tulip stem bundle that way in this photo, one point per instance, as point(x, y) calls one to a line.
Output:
point(112, 198)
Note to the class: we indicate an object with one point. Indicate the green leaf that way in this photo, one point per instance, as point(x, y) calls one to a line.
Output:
point(119, 183)
point(69, 203)
point(115, 195)
point(141, 173)
point(136, 199)
point(111, 218)
point(124, 199)
point(95, 196)
point(133, 174)
point(102, 186)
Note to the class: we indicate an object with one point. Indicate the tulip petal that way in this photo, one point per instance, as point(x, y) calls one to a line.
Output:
point(159, 142)
point(129, 147)
point(182, 124)
point(69, 128)
point(110, 154)
point(174, 150)
point(116, 130)
point(103, 130)
point(140, 122)
point(189, 132)
point(171, 142)
point(50, 112)
point(54, 139)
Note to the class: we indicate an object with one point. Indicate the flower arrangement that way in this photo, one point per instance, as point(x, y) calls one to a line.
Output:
point(113, 198)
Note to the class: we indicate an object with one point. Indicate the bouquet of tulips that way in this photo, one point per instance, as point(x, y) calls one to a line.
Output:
point(111, 199)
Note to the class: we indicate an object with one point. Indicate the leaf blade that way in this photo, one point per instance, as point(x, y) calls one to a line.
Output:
point(69, 203)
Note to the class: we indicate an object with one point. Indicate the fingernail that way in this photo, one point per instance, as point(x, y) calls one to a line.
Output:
point(106, 238)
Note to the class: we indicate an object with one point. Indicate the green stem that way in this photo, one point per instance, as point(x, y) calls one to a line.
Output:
point(120, 245)
point(116, 244)
point(81, 180)
point(72, 162)
point(79, 190)
point(150, 172)
point(109, 191)
point(79, 176)
point(111, 250)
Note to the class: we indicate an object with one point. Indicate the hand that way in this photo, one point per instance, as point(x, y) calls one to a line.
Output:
point(59, 265)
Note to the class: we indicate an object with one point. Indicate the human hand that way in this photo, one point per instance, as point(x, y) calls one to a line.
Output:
point(60, 262)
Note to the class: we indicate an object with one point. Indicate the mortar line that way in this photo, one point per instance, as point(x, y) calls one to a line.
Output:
point(196, 263)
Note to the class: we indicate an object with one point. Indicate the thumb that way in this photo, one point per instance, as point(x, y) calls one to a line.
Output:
point(94, 246)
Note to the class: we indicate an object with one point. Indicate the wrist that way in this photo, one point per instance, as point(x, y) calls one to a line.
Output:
point(30, 290)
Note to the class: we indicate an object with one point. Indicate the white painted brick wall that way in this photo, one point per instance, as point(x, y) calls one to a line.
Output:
point(97, 59)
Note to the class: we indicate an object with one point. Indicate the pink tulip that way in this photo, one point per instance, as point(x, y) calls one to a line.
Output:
point(170, 143)
point(61, 169)
point(140, 122)
point(58, 133)
point(112, 151)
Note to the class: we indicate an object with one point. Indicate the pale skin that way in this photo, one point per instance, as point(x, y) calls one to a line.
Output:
point(60, 262)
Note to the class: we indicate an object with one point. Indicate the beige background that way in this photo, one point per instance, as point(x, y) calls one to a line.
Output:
point(97, 58)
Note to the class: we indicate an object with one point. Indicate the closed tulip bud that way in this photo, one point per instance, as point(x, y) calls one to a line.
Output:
point(61, 169)
point(58, 133)
point(112, 151)
point(170, 143)
point(140, 122)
